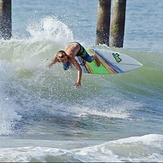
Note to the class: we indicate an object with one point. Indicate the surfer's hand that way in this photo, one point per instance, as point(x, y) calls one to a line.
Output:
point(50, 65)
point(77, 84)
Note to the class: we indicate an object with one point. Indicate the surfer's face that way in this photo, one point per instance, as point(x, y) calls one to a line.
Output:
point(62, 57)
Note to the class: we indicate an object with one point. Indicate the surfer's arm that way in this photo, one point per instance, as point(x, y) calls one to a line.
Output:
point(77, 66)
point(53, 61)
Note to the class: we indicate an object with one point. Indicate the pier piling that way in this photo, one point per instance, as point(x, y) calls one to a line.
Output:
point(103, 22)
point(118, 23)
point(5, 19)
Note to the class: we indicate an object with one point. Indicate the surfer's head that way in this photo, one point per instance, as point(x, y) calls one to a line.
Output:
point(62, 56)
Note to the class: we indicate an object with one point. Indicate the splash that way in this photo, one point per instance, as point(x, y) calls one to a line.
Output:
point(8, 108)
point(50, 29)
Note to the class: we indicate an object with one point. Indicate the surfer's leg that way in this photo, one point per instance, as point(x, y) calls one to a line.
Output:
point(97, 60)
point(85, 56)
point(89, 58)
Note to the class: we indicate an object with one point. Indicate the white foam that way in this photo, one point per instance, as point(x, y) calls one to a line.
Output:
point(146, 148)
point(8, 108)
point(50, 29)
point(138, 148)
point(151, 139)
point(116, 108)
point(6, 70)
point(45, 154)
point(113, 113)
point(9, 116)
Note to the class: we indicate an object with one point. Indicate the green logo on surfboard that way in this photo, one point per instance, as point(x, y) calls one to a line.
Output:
point(117, 58)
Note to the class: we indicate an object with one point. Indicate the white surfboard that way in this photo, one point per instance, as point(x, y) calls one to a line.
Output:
point(111, 62)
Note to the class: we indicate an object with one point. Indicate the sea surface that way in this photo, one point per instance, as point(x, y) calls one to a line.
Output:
point(115, 118)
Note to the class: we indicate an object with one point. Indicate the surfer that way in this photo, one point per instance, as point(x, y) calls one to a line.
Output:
point(67, 57)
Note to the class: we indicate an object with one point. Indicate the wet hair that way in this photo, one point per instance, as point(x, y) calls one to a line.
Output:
point(61, 54)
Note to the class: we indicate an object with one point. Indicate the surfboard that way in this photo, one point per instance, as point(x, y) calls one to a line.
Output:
point(111, 62)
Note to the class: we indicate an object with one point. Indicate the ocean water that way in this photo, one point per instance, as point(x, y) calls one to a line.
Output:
point(115, 118)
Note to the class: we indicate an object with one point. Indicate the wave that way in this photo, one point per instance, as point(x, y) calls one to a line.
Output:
point(28, 56)
point(48, 35)
point(147, 148)
point(35, 90)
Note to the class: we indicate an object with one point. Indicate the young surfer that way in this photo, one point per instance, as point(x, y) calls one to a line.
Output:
point(67, 57)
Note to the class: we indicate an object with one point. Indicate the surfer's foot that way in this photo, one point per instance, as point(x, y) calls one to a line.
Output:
point(97, 61)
